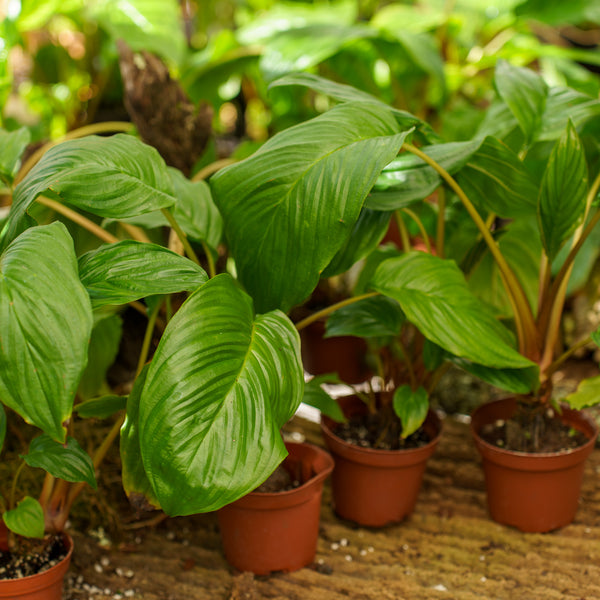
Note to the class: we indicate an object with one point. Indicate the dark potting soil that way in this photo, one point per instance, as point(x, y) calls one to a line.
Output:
point(376, 432)
point(548, 435)
point(279, 481)
point(35, 556)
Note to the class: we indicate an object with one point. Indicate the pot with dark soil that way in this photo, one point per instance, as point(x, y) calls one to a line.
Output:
point(377, 475)
point(533, 491)
point(276, 527)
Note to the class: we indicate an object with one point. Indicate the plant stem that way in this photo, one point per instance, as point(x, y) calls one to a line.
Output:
point(13, 489)
point(108, 126)
point(147, 338)
point(409, 367)
point(523, 315)
point(421, 227)
point(84, 222)
point(402, 231)
point(441, 223)
point(209, 257)
point(135, 232)
point(181, 235)
point(209, 170)
point(330, 309)
point(552, 368)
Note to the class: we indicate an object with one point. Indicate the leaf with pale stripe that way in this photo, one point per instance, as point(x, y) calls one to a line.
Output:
point(221, 384)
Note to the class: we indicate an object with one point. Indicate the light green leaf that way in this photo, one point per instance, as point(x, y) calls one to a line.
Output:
point(525, 94)
point(101, 407)
point(317, 397)
point(69, 462)
point(587, 394)
point(35, 14)
point(27, 519)
point(128, 270)
point(411, 406)
point(292, 205)
point(434, 296)
point(12, 146)
point(46, 325)
point(220, 386)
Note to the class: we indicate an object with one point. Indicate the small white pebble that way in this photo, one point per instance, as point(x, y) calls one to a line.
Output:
point(320, 561)
point(408, 572)
point(335, 546)
point(343, 542)
point(588, 530)
point(107, 592)
point(371, 549)
point(119, 571)
point(440, 588)
point(482, 558)
point(483, 579)
point(129, 573)
point(348, 558)
point(405, 547)
point(363, 552)
point(129, 593)
point(117, 597)
point(105, 561)
point(98, 568)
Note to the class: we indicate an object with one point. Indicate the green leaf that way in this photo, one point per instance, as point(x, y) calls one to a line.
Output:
point(102, 351)
point(563, 192)
point(35, 15)
point(12, 146)
point(101, 407)
point(517, 381)
point(150, 25)
point(434, 296)
point(291, 206)
point(27, 519)
point(135, 481)
point(316, 396)
point(411, 406)
point(114, 177)
point(128, 270)
point(525, 94)
point(220, 386)
point(378, 316)
point(69, 462)
point(596, 337)
point(46, 325)
point(587, 394)
point(2, 426)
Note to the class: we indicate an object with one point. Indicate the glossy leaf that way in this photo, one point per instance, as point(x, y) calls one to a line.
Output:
point(46, 325)
point(12, 146)
point(517, 381)
point(135, 481)
point(292, 205)
point(563, 192)
point(378, 316)
point(587, 394)
point(411, 406)
point(27, 519)
point(317, 397)
point(69, 462)
point(524, 91)
point(434, 296)
point(220, 386)
point(128, 270)
point(101, 407)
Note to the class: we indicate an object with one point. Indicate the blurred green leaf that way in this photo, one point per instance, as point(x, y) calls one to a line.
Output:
point(27, 519)
point(317, 397)
point(12, 146)
point(587, 394)
point(411, 406)
point(101, 407)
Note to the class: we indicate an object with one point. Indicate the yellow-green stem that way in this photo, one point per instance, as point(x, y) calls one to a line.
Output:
point(136, 233)
point(209, 257)
point(181, 235)
point(440, 232)
point(405, 239)
point(421, 227)
point(147, 338)
point(436, 376)
point(552, 368)
point(13, 488)
point(209, 170)
point(523, 314)
point(330, 309)
point(409, 367)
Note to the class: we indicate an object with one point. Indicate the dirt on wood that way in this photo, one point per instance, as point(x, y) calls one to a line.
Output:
point(448, 548)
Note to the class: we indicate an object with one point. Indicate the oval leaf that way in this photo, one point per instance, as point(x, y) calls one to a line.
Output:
point(102, 407)
point(221, 384)
point(128, 270)
point(317, 397)
point(27, 519)
point(69, 462)
point(411, 406)
point(46, 325)
point(291, 206)
point(587, 394)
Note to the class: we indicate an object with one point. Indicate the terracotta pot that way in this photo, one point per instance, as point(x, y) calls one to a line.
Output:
point(344, 355)
point(533, 492)
point(266, 532)
point(376, 487)
point(47, 585)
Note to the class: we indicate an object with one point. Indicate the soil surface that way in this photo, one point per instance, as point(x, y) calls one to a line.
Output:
point(449, 548)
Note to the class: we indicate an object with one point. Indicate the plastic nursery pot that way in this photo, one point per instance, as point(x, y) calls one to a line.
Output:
point(3, 536)
point(532, 492)
point(266, 532)
point(47, 585)
point(344, 355)
point(376, 487)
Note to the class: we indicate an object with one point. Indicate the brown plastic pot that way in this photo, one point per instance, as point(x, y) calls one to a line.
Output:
point(3, 536)
point(532, 492)
point(376, 487)
point(266, 532)
point(47, 585)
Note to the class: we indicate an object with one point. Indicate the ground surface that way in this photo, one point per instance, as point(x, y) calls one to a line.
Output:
point(447, 549)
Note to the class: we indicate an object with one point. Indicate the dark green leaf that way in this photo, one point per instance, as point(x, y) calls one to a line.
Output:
point(290, 207)
point(316, 396)
point(563, 192)
point(220, 386)
point(46, 325)
point(517, 381)
point(27, 519)
point(69, 462)
point(128, 270)
point(101, 407)
point(12, 146)
point(411, 406)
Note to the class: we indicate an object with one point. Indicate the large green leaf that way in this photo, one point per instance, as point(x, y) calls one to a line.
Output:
point(12, 146)
point(27, 519)
point(434, 296)
point(221, 384)
point(411, 406)
point(69, 462)
point(114, 177)
point(524, 91)
point(128, 270)
point(46, 325)
point(562, 199)
point(291, 206)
